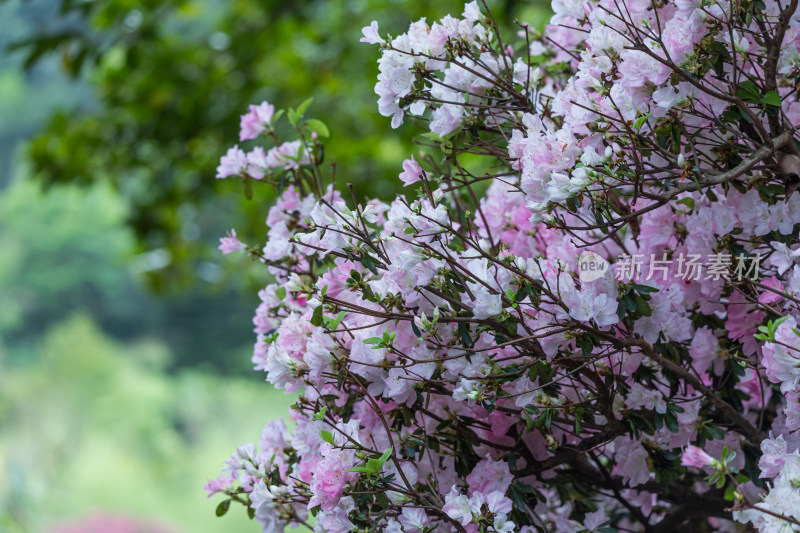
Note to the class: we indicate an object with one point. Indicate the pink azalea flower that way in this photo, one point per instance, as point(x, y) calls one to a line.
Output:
point(230, 243)
point(457, 506)
point(371, 35)
point(695, 457)
point(489, 476)
point(771, 296)
point(255, 121)
point(221, 484)
point(412, 172)
point(782, 358)
point(329, 478)
point(773, 458)
point(232, 163)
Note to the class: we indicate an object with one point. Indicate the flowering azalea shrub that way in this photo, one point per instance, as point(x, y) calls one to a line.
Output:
point(581, 316)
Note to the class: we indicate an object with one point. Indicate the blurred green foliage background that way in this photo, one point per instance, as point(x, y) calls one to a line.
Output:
point(124, 337)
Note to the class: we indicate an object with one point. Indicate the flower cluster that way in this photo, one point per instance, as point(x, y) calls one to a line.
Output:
point(455, 370)
point(780, 509)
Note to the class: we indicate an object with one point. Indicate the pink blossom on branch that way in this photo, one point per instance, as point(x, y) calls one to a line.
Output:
point(696, 457)
point(230, 243)
point(233, 163)
point(256, 120)
point(412, 172)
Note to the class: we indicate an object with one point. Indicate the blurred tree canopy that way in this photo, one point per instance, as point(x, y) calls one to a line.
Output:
point(29, 96)
point(69, 251)
point(171, 79)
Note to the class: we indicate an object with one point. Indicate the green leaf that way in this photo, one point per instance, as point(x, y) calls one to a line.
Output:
point(366, 260)
point(430, 135)
point(772, 98)
point(318, 127)
point(327, 436)
point(373, 340)
point(642, 306)
point(522, 292)
point(716, 432)
point(282, 184)
point(644, 288)
point(586, 345)
point(278, 114)
point(383, 458)
point(373, 465)
point(360, 469)
point(465, 336)
point(672, 422)
point(640, 122)
point(335, 323)
point(302, 109)
point(223, 507)
point(316, 318)
point(748, 91)
point(731, 115)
